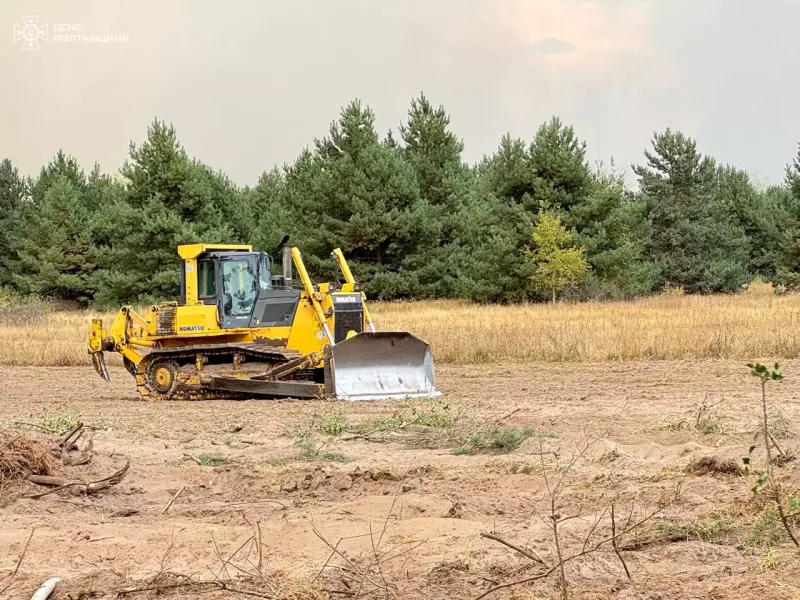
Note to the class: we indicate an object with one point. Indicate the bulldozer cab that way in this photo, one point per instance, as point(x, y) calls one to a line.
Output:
point(239, 282)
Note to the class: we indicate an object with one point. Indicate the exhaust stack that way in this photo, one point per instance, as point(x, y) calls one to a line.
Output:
point(286, 265)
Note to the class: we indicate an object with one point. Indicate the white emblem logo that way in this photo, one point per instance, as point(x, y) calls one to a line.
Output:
point(30, 32)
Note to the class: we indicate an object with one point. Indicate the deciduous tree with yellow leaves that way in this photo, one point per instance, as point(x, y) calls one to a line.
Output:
point(559, 263)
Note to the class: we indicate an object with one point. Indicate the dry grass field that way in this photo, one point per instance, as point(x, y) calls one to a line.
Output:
point(670, 326)
point(624, 423)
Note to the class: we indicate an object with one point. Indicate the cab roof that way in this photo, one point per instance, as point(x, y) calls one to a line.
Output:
point(189, 251)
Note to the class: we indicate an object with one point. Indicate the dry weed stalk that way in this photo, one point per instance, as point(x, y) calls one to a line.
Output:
point(591, 542)
point(10, 578)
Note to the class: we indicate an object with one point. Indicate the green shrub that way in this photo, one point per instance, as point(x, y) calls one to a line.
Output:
point(213, 459)
point(496, 439)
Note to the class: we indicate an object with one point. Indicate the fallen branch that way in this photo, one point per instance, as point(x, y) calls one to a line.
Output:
point(615, 542)
point(67, 442)
point(249, 502)
point(84, 457)
point(367, 437)
point(88, 488)
point(194, 458)
point(24, 551)
point(194, 586)
point(777, 445)
point(508, 415)
point(259, 549)
point(47, 480)
point(175, 497)
point(531, 554)
point(33, 426)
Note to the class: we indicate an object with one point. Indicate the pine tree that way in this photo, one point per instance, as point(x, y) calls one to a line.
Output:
point(793, 176)
point(359, 194)
point(13, 192)
point(433, 151)
point(612, 227)
point(695, 238)
point(445, 187)
point(518, 183)
point(784, 204)
point(508, 173)
point(267, 204)
point(765, 216)
point(561, 176)
point(62, 165)
point(55, 255)
point(168, 200)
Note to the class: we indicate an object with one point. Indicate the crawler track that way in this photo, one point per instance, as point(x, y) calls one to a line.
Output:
point(171, 373)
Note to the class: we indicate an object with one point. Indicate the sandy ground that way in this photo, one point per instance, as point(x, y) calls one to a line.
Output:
point(425, 505)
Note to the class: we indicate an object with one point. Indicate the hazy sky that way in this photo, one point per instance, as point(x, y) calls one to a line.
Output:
point(249, 83)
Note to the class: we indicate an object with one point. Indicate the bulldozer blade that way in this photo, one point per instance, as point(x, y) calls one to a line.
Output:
point(99, 363)
point(382, 365)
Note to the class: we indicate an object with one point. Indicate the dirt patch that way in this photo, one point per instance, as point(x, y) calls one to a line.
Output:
point(237, 470)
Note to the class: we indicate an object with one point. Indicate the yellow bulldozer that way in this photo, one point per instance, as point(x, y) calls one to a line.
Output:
point(239, 331)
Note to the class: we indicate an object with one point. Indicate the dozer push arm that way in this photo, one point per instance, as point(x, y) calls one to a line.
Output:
point(312, 295)
point(348, 277)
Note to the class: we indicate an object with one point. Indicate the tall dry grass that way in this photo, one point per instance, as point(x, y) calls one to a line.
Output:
point(669, 326)
point(43, 336)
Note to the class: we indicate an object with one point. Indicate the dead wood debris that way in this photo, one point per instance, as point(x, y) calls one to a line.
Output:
point(24, 458)
point(20, 456)
point(90, 487)
point(68, 450)
point(711, 465)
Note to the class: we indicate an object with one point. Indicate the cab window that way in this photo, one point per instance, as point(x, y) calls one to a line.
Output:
point(206, 279)
point(264, 273)
point(239, 287)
